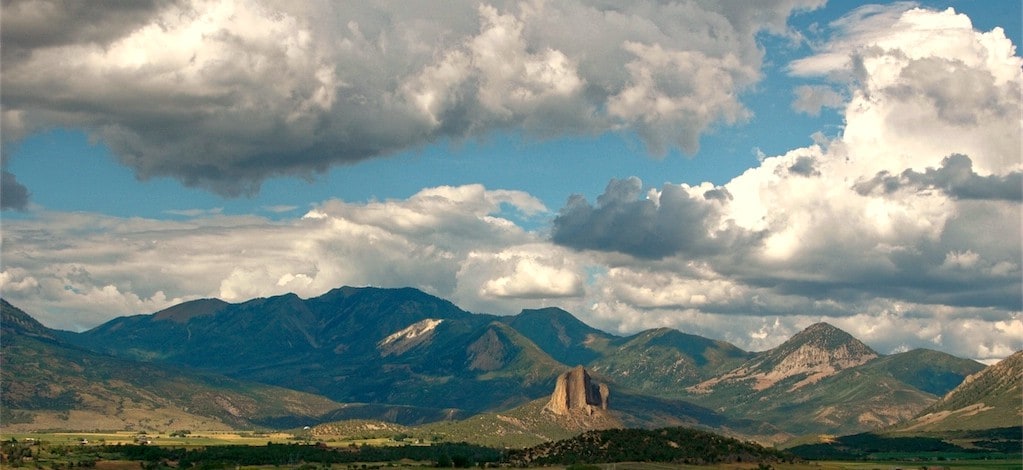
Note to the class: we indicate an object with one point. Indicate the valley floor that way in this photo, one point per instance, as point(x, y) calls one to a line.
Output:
point(75, 442)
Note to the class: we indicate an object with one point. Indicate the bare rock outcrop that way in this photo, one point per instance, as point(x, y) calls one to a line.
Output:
point(575, 392)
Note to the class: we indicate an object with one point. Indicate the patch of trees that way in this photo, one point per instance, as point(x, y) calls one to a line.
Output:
point(995, 443)
point(675, 445)
point(229, 456)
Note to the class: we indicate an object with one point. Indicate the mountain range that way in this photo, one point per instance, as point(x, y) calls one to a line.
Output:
point(403, 356)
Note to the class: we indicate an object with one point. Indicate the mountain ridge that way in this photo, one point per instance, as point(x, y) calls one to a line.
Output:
point(992, 397)
point(400, 350)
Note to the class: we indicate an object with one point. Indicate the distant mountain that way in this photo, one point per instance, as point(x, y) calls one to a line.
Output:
point(663, 361)
point(228, 337)
point(988, 399)
point(364, 345)
point(823, 380)
point(561, 335)
point(819, 351)
point(48, 384)
point(815, 353)
point(657, 362)
point(929, 371)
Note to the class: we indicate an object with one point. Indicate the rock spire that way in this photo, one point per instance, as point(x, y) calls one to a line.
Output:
point(576, 392)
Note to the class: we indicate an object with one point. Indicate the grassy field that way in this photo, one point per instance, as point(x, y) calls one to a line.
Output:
point(205, 438)
point(196, 439)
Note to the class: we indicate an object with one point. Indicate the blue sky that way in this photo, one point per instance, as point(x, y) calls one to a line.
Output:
point(360, 124)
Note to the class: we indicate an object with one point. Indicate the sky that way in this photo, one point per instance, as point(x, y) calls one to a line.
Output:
point(738, 170)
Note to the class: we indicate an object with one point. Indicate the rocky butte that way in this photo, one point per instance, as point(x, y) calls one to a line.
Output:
point(575, 392)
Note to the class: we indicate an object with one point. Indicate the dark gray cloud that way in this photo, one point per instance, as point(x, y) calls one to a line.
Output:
point(955, 177)
point(13, 195)
point(627, 222)
point(223, 96)
point(719, 193)
point(804, 166)
point(29, 24)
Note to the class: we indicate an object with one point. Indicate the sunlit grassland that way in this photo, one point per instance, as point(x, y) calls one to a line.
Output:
point(193, 439)
point(200, 438)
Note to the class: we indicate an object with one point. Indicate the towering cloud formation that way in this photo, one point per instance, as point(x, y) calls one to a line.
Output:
point(223, 94)
point(912, 212)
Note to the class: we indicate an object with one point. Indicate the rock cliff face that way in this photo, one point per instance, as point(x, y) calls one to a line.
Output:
point(576, 392)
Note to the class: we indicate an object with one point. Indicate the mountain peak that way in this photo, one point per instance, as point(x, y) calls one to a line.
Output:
point(823, 332)
point(549, 317)
point(819, 351)
point(822, 326)
point(545, 311)
point(826, 337)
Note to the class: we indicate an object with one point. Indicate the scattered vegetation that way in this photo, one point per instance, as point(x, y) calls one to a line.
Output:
point(31, 453)
point(674, 445)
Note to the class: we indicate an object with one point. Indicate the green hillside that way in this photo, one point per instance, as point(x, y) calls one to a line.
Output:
point(47, 384)
point(662, 362)
point(990, 398)
point(561, 335)
point(930, 371)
